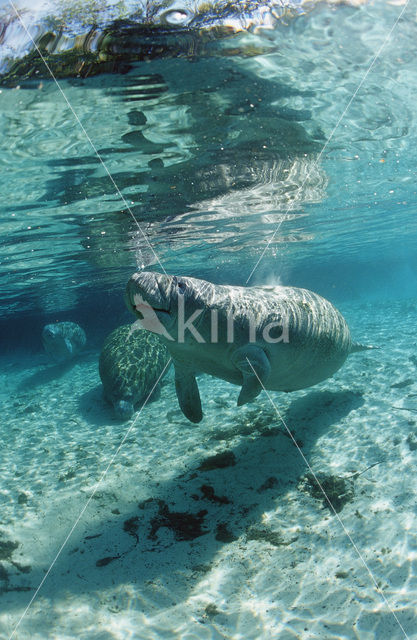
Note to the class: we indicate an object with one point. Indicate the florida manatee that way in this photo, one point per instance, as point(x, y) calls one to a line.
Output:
point(130, 364)
point(283, 338)
point(63, 340)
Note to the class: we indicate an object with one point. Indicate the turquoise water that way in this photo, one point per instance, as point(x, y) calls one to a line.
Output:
point(279, 155)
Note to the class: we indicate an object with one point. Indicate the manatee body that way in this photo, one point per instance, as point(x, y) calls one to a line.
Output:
point(279, 338)
point(63, 340)
point(130, 364)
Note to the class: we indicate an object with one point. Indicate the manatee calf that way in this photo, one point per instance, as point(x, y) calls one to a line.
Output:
point(285, 337)
point(130, 364)
point(63, 340)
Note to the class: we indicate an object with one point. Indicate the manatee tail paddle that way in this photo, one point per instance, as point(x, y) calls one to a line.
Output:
point(357, 346)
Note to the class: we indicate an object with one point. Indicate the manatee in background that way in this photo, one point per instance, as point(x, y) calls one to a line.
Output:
point(280, 338)
point(63, 340)
point(130, 364)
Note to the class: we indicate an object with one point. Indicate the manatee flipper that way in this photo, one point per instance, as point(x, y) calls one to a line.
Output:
point(69, 346)
point(187, 393)
point(156, 393)
point(243, 358)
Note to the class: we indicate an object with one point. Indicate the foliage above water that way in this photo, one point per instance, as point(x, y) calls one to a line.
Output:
point(81, 39)
point(71, 15)
point(76, 14)
point(86, 35)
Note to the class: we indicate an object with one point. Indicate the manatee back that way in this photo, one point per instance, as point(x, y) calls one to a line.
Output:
point(315, 339)
point(129, 366)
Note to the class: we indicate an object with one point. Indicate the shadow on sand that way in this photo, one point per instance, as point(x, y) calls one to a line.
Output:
point(165, 544)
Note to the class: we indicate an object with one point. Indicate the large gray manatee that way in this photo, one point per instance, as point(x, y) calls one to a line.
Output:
point(280, 338)
point(130, 364)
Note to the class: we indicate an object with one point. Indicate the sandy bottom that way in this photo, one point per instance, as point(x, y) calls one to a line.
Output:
point(216, 530)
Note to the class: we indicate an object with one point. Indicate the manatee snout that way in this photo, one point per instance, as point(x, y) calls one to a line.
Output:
point(124, 409)
point(63, 340)
point(153, 288)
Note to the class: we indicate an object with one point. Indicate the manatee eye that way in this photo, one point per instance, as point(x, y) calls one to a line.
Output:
point(181, 287)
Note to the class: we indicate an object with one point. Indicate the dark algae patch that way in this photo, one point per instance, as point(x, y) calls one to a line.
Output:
point(211, 610)
point(270, 483)
point(105, 561)
point(22, 568)
point(412, 441)
point(185, 526)
point(338, 490)
point(131, 527)
point(341, 575)
point(209, 494)
point(6, 549)
point(3, 574)
point(402, 384)
point(223, 533)
point(263, 534)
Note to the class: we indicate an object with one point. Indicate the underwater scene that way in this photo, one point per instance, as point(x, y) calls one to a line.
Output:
point(208, 313)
